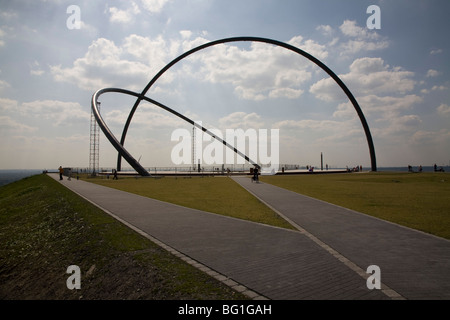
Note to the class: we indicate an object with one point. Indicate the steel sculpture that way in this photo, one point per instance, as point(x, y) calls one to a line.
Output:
point(122, 152)
point(119, 147)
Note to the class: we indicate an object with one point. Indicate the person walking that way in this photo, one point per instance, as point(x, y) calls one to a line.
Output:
point(255, 174)
point(61, 171)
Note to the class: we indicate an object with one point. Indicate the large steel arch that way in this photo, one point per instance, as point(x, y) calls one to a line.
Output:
point(268, 41)
point(120, 148)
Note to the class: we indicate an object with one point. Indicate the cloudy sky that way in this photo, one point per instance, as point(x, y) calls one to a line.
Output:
point(399, 74)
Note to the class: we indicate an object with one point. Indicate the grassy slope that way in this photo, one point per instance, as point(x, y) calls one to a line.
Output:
point(44, 228)
point(415, 200)
point(219, 195)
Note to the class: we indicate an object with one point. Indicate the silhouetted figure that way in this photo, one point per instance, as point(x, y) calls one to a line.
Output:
point(61, 171)
point(255, 174)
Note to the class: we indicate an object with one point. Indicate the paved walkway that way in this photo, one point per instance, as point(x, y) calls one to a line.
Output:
point(413, 264)
point(327, 259)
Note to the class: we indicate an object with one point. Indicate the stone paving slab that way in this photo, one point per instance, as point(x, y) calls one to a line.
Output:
point(276, 263)
point(414, 264)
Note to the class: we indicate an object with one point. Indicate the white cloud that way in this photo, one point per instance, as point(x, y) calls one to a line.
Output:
point(368, 65)
point(153, 52)
point(35, 69)
point(312, 47)
point(89, 29)
point(321, 133)
point(7, 124)
point(261, 72)
point(188, 44)
point(383, 107)
point(350, 29)
point(325, 30)
point(307, 124)
point(397, 129)
point(2, 35)
point(4, 85)
point(186, 34)
point(406, 122)
point(362, 39)
point(124, 16)
point(444, 109)
point(241, 120)
point(432, 73)
point(384, 94)
point(354, 46)
point(439, 88)
point(430, 138)
point(129, 65)
point(154, 6)
point(7, 15)
point(102, 66)
point(147, 115)
point(436, 51)
point(7, 105)
point(59, 112)
point(285, 93)
point(366, 76)
point(38, 72)
point(249, 93)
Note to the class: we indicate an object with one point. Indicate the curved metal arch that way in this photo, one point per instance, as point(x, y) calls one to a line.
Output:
point(264, 40)
point(119, 147)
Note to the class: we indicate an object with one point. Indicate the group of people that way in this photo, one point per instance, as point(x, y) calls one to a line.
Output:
point(420, 169)
point(61, 172)
point(410, 169)
point(354, 169)
point(69, 173)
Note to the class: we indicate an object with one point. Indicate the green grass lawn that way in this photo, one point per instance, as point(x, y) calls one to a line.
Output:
point(219, 195)
point(45, 228)
point(416, 200)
